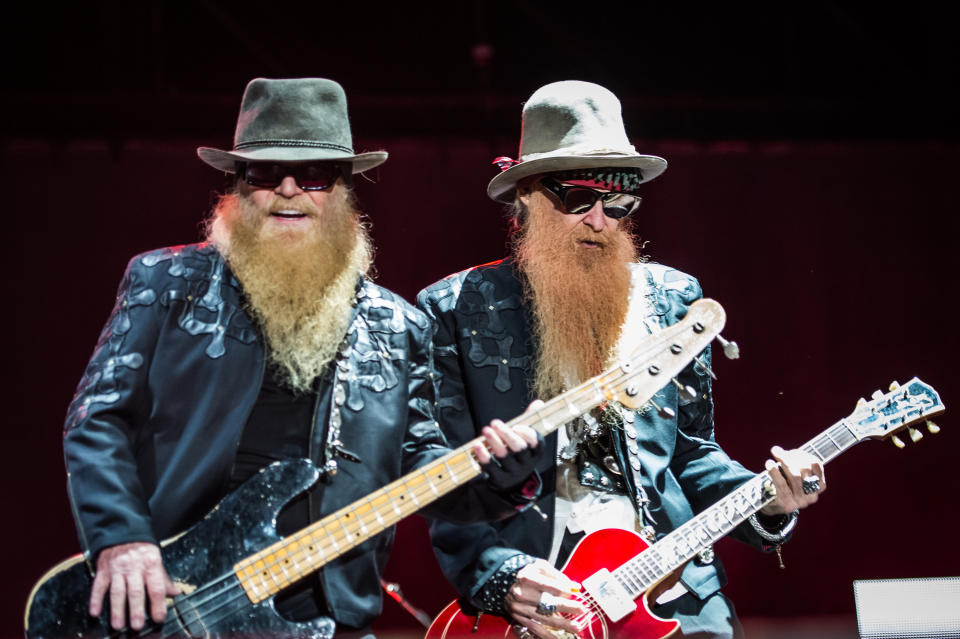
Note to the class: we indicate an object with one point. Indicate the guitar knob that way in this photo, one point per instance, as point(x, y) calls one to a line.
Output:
point(897, 442)
point(932, 428)
point(894, 386)
point(861, 402)
point(877, 394)
point(915, 435)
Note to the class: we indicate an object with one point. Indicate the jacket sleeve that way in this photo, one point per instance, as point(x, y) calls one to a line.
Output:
point(704, 471)
point(468, 555)
point(103, 423)
point(424, 442)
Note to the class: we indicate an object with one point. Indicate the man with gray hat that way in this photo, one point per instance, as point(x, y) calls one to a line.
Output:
point(572, 299)
point(266, 342)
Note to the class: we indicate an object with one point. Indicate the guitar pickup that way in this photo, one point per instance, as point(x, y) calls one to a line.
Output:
point(612, 597)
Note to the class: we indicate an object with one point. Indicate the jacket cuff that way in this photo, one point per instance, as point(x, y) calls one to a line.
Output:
point(493, 593)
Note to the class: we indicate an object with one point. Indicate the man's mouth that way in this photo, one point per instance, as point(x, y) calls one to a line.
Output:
point(287, 214)
point(590, 243)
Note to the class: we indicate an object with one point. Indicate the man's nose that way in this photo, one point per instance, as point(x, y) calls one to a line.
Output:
point(595, 217)
point(288, 187)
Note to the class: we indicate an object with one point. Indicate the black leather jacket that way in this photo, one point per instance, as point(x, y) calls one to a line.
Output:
point(152, 433)
point(484, 353)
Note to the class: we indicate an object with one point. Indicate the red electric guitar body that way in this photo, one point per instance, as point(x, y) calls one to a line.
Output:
point(605, 549)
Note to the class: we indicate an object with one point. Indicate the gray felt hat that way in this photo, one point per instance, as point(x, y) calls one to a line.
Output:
point(571, 125)
point(293, 120)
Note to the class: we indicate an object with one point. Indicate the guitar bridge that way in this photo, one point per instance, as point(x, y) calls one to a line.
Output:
point(612, 597)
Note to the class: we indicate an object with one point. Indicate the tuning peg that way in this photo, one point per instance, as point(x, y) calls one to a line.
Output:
point(897, 442)
point(705, 367)
point(686, 392)
point(877, 394)
point(666, 412)
point(861, 402)
point(932, 428)
point(730, 348)
point(915, 435)
point(894, 385)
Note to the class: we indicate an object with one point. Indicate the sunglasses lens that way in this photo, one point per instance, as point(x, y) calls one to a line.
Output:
point(316, 177)
point(264, 174)
point(619, 205)
point(578, 201)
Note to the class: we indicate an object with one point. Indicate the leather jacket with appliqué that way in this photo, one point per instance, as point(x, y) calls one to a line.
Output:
point(152, 432)
point(483, 352)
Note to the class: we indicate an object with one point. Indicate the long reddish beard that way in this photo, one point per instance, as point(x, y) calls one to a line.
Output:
point(298, 288)
point(579, 296)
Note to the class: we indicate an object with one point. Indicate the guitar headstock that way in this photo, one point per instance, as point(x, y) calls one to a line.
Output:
point(661, 357)
point(886, 414)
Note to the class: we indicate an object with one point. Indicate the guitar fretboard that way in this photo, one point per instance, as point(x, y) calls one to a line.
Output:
point(681, 545)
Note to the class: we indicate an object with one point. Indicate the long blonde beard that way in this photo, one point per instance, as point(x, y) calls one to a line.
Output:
point(579, 296)
point(298, 290)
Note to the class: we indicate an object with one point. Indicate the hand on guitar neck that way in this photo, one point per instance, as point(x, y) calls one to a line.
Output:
point(798, 482)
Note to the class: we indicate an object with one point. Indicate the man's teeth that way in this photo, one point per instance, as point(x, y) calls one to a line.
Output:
point(289, 213)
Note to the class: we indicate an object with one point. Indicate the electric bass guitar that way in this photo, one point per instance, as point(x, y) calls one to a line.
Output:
point(230, 564)
point(620, 573)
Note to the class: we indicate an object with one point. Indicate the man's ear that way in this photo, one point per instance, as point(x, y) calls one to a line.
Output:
point(525, 190)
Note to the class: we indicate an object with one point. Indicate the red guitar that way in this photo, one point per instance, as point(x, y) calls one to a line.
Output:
point(616, 568)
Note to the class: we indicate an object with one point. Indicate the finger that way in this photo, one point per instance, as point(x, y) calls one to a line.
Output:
point(819, 472)
point(534, 405)
point(533, 627)
point(136, 599)
point(482, 453)
point(172, 589)
point(509, 438)
point(784, 496)
point(497, 447)
point(527, 434)
point(789, 468)
point(541, 577)
point(100, 583)
point(156, 581)
point(554, 620)
point(118, 600)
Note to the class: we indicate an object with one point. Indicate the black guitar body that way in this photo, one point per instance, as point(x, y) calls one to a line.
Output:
point(202, 560)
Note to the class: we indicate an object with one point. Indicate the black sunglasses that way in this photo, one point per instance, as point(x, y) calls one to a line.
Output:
point(309, 176)
point(580, 199)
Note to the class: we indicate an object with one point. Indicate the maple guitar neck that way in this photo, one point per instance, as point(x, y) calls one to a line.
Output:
point(633, 383)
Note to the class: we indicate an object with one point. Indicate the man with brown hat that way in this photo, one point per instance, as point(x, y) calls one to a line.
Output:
point(266, 342)
point(570, 301)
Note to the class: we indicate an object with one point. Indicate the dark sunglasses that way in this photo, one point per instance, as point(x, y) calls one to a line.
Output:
point(309, 176)
point(580, 199)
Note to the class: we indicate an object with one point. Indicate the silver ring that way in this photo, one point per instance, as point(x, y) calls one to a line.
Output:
point(547, 605)
point(811, 484)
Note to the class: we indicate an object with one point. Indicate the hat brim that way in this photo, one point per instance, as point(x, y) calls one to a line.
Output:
point(502, 186)
point(226, 160)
